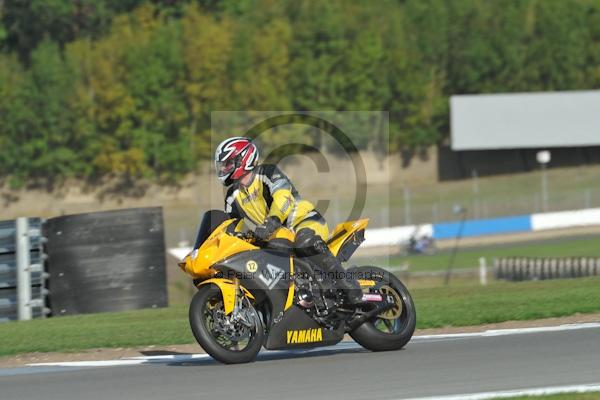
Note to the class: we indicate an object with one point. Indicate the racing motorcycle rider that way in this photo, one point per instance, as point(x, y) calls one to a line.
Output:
point(264, 196)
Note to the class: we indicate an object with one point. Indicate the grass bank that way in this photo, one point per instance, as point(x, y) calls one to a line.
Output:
point(453, 306)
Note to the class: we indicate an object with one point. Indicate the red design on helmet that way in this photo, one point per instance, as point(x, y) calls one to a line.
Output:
point(234, 158)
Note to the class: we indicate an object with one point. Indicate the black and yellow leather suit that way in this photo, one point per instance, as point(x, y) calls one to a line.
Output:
point(270, 196)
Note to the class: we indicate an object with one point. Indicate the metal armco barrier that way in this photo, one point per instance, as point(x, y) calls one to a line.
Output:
point(106, 261)
point(528, 268)
point(22, 277)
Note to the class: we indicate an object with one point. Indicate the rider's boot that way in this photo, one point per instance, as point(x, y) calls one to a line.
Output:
point(308, 244)
point(343, 280)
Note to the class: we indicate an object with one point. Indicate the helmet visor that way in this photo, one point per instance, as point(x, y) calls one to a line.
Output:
point(225, 168)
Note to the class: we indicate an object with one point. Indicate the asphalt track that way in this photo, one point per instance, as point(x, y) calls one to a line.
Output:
point(428, 366)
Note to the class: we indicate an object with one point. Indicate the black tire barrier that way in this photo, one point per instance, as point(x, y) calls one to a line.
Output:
point(106, 261)
point(541, 268)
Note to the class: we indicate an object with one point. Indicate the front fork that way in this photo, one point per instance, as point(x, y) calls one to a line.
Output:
point(232, 292)
point(245, 313)
point(238, 297)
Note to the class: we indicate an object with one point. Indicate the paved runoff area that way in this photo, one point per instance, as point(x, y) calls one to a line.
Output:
point(480, 365)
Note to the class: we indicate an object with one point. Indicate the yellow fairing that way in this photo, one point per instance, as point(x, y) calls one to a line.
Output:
point(217, 246)
point(290, 297)
point(227, 288)
point(349, 227)
point(284, 233)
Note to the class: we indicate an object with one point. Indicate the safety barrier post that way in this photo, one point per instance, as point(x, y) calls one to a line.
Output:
point(482, 271)
point(23, 270)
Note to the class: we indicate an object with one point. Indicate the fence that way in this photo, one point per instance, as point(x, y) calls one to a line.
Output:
point(527, 268)
point(481, 227)
point(22, 276)
point(398, 204)
point(422, 207)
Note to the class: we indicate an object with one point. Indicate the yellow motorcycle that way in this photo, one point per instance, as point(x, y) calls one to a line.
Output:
point(253, 294)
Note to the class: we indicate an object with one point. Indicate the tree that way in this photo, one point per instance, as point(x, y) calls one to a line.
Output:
point(14, 114)
point(155, 71)
point(28, 22)
point(317, 51)
point(207, 47)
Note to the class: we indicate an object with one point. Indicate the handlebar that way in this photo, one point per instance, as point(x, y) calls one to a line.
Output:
point(249, 235)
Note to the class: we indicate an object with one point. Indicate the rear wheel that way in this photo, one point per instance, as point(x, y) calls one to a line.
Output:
point(226, 338)
point(390, 330)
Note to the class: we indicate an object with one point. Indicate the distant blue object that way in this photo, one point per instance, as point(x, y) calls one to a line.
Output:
point(481, 227)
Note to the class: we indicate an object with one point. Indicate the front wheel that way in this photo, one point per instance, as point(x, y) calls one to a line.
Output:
point(227, 338)
point(392, 329)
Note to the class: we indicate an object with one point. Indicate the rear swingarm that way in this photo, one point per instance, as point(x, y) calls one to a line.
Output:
point(362, 318)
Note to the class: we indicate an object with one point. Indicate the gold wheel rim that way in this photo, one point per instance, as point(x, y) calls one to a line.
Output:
point(395, 312)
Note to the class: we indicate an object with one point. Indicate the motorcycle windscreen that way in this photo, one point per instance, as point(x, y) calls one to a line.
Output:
point(210, 221)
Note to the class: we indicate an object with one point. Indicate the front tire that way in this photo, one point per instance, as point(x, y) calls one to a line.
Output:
point(371, 334)
point(226, 341)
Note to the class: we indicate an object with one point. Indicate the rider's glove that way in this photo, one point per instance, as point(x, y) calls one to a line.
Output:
point(267, 228)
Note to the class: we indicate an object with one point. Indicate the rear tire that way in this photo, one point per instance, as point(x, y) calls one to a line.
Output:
point(367, 334)
point(207, 336)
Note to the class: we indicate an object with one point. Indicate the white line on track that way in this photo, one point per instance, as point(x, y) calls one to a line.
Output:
point(182, 358)
point(165, 359)
point(595, 387)
point(515, 331)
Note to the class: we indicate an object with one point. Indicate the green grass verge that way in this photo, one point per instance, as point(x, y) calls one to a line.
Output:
point(566, 396)
point(453, 306)
point(122, 329)
point(586, 247)
point(504, 301)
